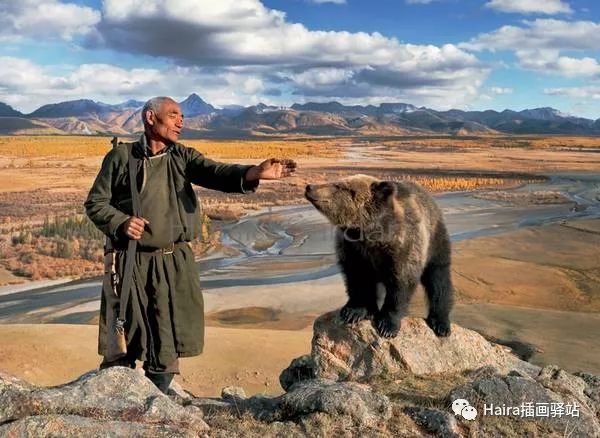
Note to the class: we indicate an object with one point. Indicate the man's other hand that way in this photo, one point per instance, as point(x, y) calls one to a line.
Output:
point(273, 168)
point(134, 227)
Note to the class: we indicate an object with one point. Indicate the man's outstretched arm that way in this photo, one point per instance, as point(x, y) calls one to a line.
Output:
point(236, 178)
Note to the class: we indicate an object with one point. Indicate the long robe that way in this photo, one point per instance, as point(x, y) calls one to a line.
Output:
point(165, 313)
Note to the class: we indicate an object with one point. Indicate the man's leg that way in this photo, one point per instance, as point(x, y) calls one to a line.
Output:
point(162, 376)
point(125, 361)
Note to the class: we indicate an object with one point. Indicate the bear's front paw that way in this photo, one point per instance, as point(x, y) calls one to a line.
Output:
point(387, 326)
point(350, 315)
point(441, 327)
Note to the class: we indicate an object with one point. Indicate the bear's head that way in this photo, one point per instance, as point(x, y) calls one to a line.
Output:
point(353, 202)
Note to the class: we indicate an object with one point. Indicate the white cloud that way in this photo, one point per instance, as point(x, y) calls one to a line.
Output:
point(548, 7)
point(550, 61)
point(26, 85)
point(540, 34)
point(45, 18)
point(501, 90)
point(245, 33)
point(538, 45)
point(418, 2)
point(586, 92)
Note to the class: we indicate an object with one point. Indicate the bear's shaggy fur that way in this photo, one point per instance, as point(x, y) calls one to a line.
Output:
point(391, 233)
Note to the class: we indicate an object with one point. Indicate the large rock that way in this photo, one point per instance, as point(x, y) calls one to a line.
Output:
point(335, 398)
point(73, 426)
point(341, 351)
point(109, 396)
point(434, 421)
point(592, 389)
point(301, 368)
point(559, 392)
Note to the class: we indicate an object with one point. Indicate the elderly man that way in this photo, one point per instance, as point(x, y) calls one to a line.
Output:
point(165, 311)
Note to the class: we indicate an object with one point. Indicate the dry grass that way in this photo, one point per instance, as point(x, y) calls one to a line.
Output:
point(85, 146)
point(54, 146)
point(523, 141)
point(262, 149)
point(453, 184)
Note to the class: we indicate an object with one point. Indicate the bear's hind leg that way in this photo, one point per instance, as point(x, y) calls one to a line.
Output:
point(438, 285)
point(362, 296)
point(397, 297)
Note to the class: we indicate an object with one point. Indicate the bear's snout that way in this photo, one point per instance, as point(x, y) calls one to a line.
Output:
point(310, 193)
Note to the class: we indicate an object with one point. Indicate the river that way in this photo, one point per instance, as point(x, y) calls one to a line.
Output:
point(301, 247)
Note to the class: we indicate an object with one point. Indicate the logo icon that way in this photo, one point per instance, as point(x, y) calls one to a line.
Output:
point(462, 407)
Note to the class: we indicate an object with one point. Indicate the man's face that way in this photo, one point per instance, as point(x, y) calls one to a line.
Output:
point(166, 123)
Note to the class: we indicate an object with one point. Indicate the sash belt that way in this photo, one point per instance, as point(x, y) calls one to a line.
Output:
point(166, 250)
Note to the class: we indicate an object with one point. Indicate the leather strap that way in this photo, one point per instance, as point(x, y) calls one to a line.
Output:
point(131, 245)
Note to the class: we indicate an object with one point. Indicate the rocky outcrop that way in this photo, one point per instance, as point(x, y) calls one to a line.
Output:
point(567, 410)
point(343, 352)
point(108, 399)
point(335, 398)
point(353, 383)
point(77, 426)
point(301, 368)
point(435, 421)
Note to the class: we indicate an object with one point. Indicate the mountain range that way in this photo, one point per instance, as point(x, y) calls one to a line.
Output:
point(87, 117)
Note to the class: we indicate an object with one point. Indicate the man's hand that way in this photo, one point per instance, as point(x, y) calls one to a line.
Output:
point(273, 168)
point(134, 227)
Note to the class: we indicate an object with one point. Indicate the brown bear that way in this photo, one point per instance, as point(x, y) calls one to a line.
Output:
point(391, 233)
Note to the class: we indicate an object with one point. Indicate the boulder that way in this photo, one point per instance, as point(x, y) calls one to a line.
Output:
point(350, 352)
point(335, 398)
point(301, 368)
point(492, 396)
point(113, 396)
point(434, 421)
point(74, 426)
point(592, 389)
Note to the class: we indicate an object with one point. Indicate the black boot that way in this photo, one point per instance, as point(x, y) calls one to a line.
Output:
point(161, 380)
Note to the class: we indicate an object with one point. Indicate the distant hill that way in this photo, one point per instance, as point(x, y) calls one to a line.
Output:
point(88, 117)
point(23, 126)
point(195, 106)
point(8, 111)
point(72, 108)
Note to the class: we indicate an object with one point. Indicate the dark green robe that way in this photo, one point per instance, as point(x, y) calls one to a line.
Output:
point(165, 317)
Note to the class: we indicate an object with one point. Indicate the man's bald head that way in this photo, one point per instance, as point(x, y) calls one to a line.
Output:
point(163, 120)
point(153, 105)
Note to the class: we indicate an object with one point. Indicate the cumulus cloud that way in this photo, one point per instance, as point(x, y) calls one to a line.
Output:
point(501, 90)
point(45, 18)
point(586, 92)
point(247, 34)
point(538, 45)
point(550, 61)
point(548, 7)
point(26, 85)
point(540, 34)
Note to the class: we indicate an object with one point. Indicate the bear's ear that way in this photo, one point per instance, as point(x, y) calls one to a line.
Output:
point(383, 189)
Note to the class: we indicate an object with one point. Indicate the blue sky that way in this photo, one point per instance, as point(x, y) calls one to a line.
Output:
point(466, 54)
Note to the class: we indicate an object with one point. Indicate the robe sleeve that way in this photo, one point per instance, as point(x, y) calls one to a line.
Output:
point(214, 175)
point(97, 205)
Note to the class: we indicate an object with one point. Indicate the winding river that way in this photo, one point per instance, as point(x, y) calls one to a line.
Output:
point(295, 243)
